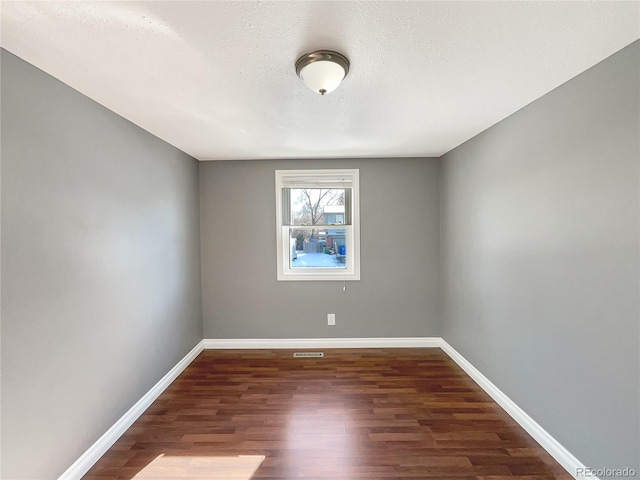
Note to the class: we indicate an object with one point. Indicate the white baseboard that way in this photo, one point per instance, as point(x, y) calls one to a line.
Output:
point(565, 458)
point(286, 343)
point(82, 465)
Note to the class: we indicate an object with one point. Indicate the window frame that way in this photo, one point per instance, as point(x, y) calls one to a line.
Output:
point(352, 232)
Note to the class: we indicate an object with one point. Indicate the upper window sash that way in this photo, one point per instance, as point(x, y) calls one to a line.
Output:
point(287, 220)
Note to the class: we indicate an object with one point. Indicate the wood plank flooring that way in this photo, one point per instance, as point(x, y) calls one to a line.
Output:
point(354, 414)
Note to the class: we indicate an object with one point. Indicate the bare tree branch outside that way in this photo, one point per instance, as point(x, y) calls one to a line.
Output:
point(309, 204)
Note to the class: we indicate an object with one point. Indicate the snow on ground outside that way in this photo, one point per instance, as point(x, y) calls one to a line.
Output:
point(316, 260)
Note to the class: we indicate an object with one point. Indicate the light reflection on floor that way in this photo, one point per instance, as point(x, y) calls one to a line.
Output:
point(240, 467)
point(321, 437)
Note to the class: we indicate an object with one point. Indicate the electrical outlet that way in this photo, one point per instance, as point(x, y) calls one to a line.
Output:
point(331, 318)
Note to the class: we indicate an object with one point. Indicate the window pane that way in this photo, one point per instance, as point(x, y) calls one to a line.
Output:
point(317, 206)
point(318, 247)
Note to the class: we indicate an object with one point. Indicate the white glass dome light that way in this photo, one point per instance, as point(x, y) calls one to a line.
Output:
point(323, 70)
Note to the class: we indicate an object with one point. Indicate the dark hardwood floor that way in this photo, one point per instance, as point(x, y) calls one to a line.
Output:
point(354, 414)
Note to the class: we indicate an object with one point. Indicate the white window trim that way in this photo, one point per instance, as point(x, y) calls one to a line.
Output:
point(352, 272)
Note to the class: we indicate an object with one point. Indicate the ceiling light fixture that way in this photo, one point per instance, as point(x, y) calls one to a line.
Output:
point(322, 70)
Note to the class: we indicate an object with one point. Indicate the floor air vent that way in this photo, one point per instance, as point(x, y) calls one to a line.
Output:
point(308, 354)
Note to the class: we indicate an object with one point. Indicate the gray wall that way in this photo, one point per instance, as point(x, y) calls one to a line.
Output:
point(540, 259)
point(398, 294)
point(100, 267)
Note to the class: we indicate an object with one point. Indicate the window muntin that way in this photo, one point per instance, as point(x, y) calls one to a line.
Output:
point(318, 233)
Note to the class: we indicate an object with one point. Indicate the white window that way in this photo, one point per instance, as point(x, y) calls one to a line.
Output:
point(311, 243)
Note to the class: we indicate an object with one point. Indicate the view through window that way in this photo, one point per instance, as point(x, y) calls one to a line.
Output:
point(316, 217)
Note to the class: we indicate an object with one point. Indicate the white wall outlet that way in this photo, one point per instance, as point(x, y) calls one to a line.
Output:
point(331, 318)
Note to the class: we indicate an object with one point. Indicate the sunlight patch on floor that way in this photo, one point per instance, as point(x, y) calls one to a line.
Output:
point(240, 467)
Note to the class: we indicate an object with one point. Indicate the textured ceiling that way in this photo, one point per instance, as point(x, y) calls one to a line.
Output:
point(217, 79)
